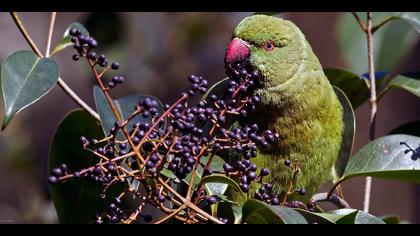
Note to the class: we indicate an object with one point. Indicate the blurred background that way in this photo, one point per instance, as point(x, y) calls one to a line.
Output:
point(157, 52)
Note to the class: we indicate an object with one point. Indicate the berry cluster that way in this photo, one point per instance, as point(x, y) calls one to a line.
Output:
point(174, 141)
point(56, 173)
point(84, 45)
point(113, 213)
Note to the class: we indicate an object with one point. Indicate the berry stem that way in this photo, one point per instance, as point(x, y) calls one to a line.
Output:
point(162, 220)
point(189, 204)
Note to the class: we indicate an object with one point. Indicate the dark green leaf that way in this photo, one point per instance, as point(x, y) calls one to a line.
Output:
point(351, 84)
point(352, 216)
point(348, 135)
point(391, 219)
point(220, 179)
point(125, 107)
point(66, 40)
point(412, 128)
point(409, 84)
point(320, 218)
point(390, 157)
point(167, 173)
point(216, 165)
point(257, 212)
point(25, 78)
point(75, 200)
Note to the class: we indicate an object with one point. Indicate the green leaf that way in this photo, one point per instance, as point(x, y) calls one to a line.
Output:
point(351, 84)
point(76, 200)
point(216, 165)
point(348, 135)
point(391, 43)
point(257, 212)
point(413, 18)
point(125, 107)
point(391, 219)
point(353, 216)
point(320, 218)
point(66, 39)
point(412, 128)
point(25, 78)
point(169, 174)
point(219, 89)
point(409, 84)
point(220, 179)
point(390, 157)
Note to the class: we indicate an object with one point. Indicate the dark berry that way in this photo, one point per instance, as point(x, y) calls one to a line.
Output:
point(264, 172)
point(52, 180)
point(92, 56)
point(76, 175)
point(57, 172)
point(302, 191)
point(287, 162)
point(244, 187)
point(212, 200)
point(207, 171)
point(275, 201)
point(74, 32)
point(111, 84)
point(251, 175)
point(76, 57)
point(63, 167)
point(227, 167)
point(115, 65)
point(92, 43)
point(161, 198)
point(262, 190)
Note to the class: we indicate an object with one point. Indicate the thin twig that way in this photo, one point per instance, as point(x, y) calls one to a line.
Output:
point(373, 104)
point(382, 23)
point(50, 33)
point(25, 33)
point(77, 99)
point(362, 25)
point(189, 204)
point(170, 215)
point(60, 81)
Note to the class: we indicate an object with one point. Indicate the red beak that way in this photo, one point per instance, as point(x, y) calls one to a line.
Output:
point(237, 50)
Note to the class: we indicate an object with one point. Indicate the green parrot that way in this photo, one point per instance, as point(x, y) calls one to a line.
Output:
point(297, 101)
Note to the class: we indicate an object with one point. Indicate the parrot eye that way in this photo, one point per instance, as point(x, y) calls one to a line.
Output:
point(268, 46)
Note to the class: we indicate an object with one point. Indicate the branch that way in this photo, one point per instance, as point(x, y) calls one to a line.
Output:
point(60, 81)
point(382, 23)
point(373, 104)
point(50, 32)
point(170, 215)
point(362, 25)
point(323, 197)
point(25, 34)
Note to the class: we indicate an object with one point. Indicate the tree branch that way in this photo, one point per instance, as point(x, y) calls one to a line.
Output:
point(373, 104)
point(50, 33)
point(362, 25)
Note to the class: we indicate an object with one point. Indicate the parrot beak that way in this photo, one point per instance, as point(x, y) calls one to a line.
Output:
point(237, 51)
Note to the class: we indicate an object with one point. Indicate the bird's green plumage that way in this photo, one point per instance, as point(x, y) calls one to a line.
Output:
point(297, 101)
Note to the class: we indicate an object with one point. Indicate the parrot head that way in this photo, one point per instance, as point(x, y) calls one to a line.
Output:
point(273, 46)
